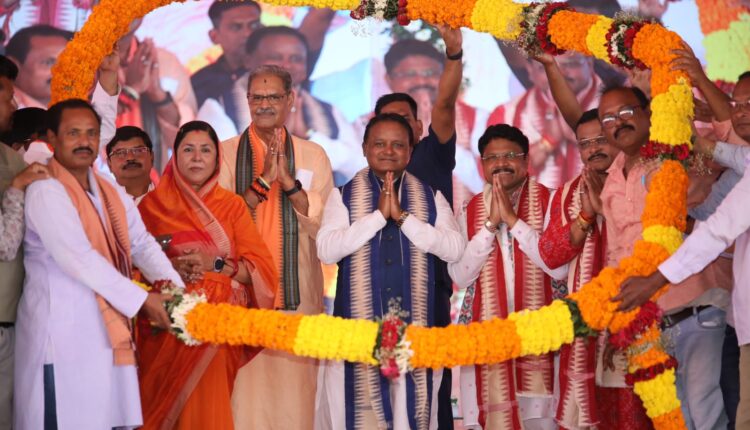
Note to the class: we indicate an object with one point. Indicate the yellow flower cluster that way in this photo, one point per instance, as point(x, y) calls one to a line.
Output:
point(672, 114)
point(333, 338)
point(659, 395)
point(545, 329)
point(667, 236)
point(500, 18)
point(596, 38)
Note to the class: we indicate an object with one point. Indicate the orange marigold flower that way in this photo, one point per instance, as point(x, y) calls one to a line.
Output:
point(568, 30)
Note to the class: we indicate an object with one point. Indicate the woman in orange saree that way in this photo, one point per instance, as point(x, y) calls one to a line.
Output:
point(216, 248)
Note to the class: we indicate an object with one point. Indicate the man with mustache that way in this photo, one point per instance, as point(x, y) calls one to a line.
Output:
point(696, 252)
point(694, 309)
point(285, 181)
point(503, 272)
point(553, 159)
point(311, 118)
point(35, 50)
point(83, 235)
point(130, 158)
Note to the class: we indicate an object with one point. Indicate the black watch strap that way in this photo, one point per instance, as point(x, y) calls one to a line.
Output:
point(297, 188)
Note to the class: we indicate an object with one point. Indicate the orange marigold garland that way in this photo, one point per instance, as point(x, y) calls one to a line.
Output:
point(547, 27)
point(568, 30)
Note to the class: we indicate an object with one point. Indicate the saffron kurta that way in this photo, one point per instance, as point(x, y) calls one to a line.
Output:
point(277, 390)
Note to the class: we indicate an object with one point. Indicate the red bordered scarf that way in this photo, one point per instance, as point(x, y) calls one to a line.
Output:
point(577, 406)
point(498, 384)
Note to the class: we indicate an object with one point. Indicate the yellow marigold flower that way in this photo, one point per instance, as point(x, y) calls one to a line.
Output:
point(500, 18)
point(667, 236)
point(659, 395)
point(596, 38)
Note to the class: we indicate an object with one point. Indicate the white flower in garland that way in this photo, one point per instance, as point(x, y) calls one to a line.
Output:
point(178, 308)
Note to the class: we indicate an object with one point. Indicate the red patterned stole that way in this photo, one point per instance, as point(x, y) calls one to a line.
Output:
point(577, 406)
point(498, 384)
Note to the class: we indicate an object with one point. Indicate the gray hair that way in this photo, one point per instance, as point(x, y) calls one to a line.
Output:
point(272, 70)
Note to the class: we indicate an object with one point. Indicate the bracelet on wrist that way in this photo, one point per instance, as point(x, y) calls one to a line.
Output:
point(455, 57)
point(262, 182)
point(583, 224)
point(589, 220)
point(294, 190)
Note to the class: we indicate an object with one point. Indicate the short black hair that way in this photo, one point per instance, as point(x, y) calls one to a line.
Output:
point(19, 45)
point(126, 133)
point(26, 122)
point(255, 39)
point(588, 116)
point(195, 126)
point(744, 75)
point(503, 131)
point(54, 113)
point(643, 100)
point(8, 68)
point(387, 99)
point(389, 117)
point(607, 8)
point(218, 7)
point(407, 48)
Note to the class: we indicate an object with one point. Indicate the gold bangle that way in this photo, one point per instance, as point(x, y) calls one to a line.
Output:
point(583, 224)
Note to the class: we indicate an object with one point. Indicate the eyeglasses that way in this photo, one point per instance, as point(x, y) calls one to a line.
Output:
point(407, 74)
point(625, 113)
point(121, 154)
point(738, 106)
point(272, 99)
point(592, 141)
point(508, 156)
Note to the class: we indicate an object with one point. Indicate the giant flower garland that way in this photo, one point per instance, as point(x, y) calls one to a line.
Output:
point(549, 27)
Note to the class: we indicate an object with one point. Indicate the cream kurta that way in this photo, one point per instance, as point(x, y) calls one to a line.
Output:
point(276, 390)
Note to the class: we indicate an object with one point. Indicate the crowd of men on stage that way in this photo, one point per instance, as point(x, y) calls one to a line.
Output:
point(557, 195)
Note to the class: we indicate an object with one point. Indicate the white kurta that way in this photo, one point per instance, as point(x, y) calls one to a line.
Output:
point(338, 239)
point(59, 321)
point(466, 271)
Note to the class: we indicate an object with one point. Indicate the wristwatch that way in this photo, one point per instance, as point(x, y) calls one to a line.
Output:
point(219, 264)
point(492, 228)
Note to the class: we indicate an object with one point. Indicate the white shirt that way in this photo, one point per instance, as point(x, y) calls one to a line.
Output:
point(730, 222)
point(338, 239)
point(466, 271)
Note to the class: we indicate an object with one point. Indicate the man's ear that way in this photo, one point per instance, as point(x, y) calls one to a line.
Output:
point(214, 36)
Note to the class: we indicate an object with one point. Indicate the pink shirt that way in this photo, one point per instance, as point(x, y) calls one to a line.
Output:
point(623, 201)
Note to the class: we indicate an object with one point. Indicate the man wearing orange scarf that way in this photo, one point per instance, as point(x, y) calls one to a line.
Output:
point(285, 181)
point(75, 365)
